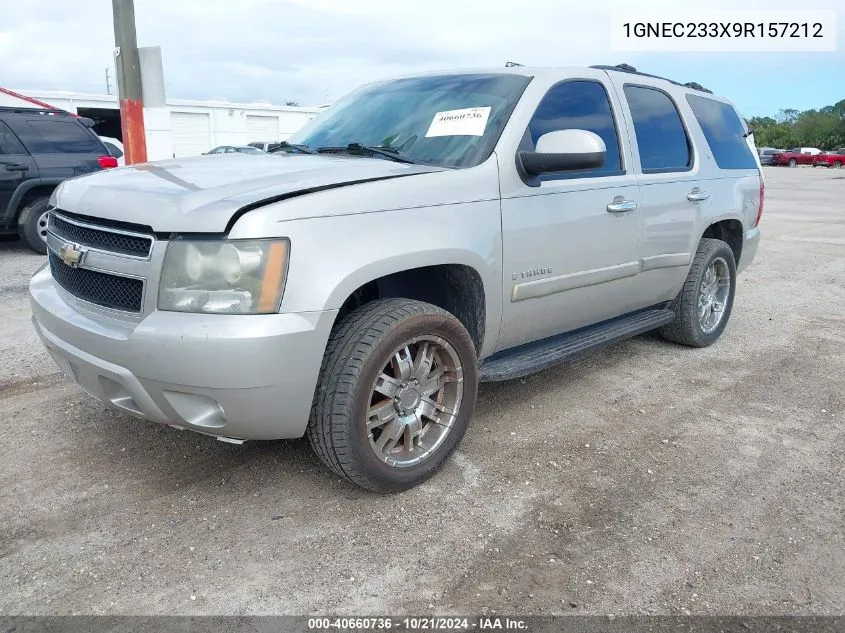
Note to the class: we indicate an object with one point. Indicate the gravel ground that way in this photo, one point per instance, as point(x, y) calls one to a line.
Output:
point(646, 478)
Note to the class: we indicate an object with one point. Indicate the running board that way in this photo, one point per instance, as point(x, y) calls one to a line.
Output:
point(527, 359)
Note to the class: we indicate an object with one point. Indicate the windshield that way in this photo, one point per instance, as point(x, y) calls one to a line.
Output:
point(448, 120)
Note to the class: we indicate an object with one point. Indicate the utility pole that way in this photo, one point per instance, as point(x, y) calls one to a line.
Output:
point(128, 67)
point(108, 82)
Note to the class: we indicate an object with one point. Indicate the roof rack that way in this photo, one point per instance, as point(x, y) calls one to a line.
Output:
point(627, 68)
point(25, 110)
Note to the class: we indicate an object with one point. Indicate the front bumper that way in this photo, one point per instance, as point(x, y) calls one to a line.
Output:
point(238, 376)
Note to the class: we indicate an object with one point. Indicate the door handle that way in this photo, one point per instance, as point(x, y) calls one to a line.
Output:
point(697, 195)
point(621, 206)
point(16, 167)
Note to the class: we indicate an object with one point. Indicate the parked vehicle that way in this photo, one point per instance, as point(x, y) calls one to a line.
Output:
point(39, 149)
point(265, 146)
point(766, 155)
point(428, 232)
point(794, 157)
point(835, 159)
point(115, 148)
point(235, 149)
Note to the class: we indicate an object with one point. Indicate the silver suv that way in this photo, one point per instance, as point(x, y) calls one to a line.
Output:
point(422, 235)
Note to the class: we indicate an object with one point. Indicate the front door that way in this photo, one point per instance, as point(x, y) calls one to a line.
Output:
point(570, 240)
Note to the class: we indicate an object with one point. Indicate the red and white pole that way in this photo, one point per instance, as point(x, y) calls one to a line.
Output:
point(130, 94)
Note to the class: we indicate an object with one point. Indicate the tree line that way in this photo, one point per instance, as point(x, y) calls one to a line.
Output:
point(823, 128)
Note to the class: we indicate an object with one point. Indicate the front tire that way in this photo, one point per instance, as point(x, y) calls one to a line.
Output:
point(837, 164)
point(396, 391)
point(793, 162)
point(703, 306)
point(32, 225)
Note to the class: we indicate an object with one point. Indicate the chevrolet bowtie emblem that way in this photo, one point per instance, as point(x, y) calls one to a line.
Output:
point(71, 254)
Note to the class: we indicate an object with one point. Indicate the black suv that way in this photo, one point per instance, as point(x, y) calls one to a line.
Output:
point(38, 150)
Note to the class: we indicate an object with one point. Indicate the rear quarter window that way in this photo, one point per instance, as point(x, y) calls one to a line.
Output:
point(724, 131)
point(114, 150)
point(51, 136)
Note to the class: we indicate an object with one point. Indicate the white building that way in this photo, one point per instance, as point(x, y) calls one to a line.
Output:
point(182, 128)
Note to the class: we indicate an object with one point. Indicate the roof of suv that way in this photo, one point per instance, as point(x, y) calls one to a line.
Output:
point(555, 71)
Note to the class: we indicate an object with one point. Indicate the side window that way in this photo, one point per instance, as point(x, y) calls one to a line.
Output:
point(661, 138)
point(9, 144)
point(61, 137)
point(725, 133)
point(581, 105)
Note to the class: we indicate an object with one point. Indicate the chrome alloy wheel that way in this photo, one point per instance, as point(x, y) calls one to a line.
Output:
point(713, 295)
point(414, 401)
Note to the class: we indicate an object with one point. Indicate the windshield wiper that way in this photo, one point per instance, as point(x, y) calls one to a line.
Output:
point(302, 149)
point(388, 152)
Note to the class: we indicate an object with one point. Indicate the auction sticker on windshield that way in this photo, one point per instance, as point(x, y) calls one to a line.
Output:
point(464, 122)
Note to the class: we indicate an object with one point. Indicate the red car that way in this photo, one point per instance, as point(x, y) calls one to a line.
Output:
point(836, 159)
point(793, 158)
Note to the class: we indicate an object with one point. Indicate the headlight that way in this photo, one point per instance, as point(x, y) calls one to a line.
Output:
point(224, 277)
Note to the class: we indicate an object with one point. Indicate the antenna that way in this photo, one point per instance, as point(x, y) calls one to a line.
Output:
point(512, 64)
point(108, 82)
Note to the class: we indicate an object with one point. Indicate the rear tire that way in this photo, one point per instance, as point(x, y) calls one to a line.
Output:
point(32, 225)
point(708, 293)
point(379, 394)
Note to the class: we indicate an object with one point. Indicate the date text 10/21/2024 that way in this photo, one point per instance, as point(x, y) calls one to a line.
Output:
point(417, 624)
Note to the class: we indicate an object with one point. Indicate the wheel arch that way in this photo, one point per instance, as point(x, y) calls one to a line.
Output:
point(26, 191)
point(728, 230)
point(452, 285)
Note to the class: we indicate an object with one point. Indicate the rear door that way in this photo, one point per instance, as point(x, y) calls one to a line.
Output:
point(16, 165)
point(258, 126)
point(670, 176)
point(61, 145)
point(191, 132)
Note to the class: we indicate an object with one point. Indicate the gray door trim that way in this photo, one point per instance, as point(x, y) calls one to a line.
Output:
point(542, 287)
point(666, 260)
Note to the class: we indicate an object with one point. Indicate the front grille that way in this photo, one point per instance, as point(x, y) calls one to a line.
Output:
point(110, 291)
point(101, 238)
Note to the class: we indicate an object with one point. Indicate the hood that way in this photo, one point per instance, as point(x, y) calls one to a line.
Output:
point(201, 194)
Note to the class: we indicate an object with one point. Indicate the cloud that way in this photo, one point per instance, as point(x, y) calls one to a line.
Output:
point(302, 49)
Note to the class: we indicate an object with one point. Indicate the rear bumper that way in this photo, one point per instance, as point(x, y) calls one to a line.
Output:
point(749, 249)
point(240, 376)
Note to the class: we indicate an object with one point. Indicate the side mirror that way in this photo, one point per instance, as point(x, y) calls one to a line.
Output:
point(564, 150)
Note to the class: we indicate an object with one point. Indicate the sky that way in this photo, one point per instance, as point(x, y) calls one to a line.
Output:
point(314, 51)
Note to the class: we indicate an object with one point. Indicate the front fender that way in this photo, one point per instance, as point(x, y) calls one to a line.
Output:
point(332, 257)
